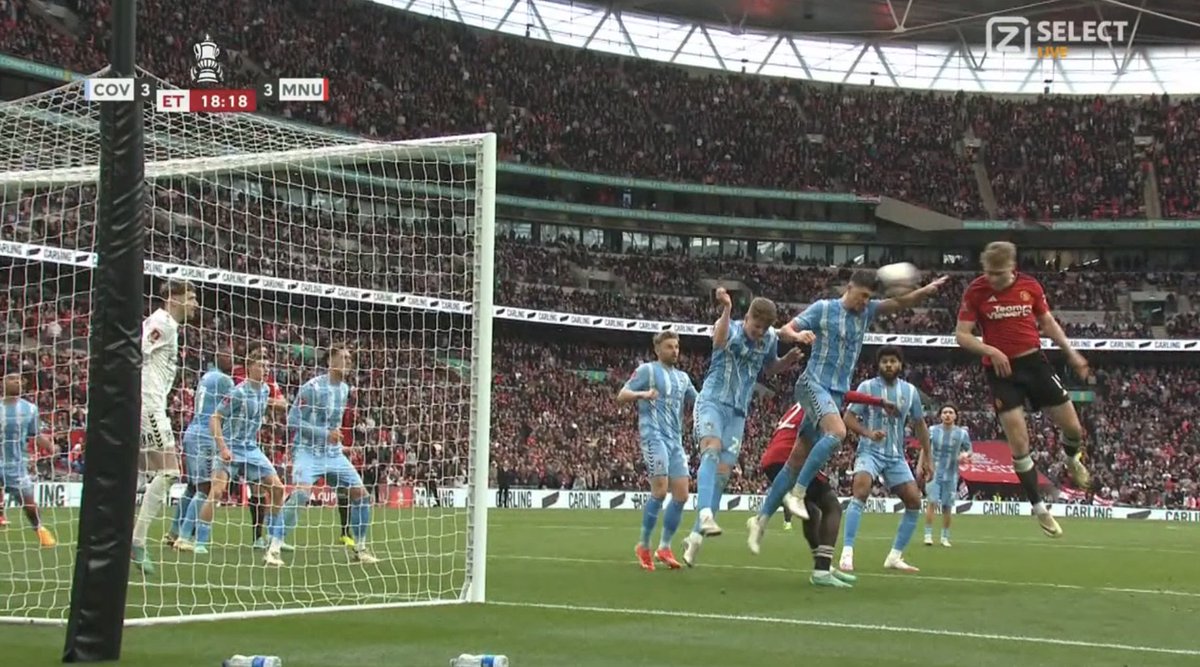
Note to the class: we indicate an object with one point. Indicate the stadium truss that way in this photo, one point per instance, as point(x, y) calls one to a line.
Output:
point(920, 44)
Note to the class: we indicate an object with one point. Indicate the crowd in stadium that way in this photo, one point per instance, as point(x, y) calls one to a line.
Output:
point(1046, 158)
point(555, 421)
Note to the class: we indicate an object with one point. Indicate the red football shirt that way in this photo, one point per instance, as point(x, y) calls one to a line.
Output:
point(780, 447)
point(1006, 318)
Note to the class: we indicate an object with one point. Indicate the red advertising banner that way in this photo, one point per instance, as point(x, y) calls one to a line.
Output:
point(991, 463)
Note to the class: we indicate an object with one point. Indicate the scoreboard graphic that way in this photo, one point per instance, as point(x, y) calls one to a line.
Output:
point(208, 94)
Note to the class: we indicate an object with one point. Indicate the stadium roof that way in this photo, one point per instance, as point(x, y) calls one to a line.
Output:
point(1175, 22)
point(856, 41)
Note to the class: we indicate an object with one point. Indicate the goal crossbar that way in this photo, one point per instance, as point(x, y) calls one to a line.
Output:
point(325, 156)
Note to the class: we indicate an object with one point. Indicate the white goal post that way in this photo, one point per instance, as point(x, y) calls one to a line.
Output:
point(297, 238)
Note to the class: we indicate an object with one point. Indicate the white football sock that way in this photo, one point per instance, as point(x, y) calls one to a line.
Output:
point(152, 502)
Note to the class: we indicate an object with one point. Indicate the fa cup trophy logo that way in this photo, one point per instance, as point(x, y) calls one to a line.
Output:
point(207, 69)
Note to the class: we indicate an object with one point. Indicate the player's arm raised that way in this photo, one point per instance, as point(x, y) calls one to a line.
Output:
point(800, 329)
point(638, 388)
point(1054, 331)
point(721, 328)
point(779, 364)
point(912, 299)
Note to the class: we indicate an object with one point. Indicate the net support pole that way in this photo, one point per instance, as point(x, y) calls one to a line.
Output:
point(481, 367)
point(97, 614)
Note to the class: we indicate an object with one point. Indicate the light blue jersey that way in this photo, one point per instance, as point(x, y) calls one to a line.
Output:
point(947, 443)
point(662, 418)
point(243, 410)
point(908, 402)
point(317, 411)
point(212, 389)
point(735, 367)
point(18, 424)
point(840, 335)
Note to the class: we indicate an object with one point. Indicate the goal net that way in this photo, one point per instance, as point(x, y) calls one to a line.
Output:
point(296, 238)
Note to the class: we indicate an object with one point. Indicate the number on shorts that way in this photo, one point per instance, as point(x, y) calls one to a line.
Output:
point(791, 419)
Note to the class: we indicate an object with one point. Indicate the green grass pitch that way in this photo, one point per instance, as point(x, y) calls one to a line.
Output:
point(565, 592)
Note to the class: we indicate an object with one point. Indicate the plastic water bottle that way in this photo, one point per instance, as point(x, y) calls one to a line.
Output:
point(468, 660)
point(253, 661)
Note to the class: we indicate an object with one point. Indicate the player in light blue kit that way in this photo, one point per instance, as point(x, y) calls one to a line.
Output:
point(19, 423)
point(315, 422)
point(741, 352)
point(836, 329)
point(234, 427)
point(661, 391)
point(951, 446)
point(881, 444)
point(199, 449)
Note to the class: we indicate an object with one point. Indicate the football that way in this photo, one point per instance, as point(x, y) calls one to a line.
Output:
point(898, 278)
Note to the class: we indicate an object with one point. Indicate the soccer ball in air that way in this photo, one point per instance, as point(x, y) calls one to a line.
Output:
point(898, 278)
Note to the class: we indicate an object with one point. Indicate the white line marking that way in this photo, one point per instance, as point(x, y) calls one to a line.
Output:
point(921, 577)
point(989, 539)
point(867, 627)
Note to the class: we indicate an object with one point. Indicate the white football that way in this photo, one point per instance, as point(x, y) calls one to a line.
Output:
point(898, 277)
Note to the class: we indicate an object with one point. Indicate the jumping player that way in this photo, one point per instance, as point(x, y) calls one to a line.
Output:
point(741, 352)
point(1009, 307)
point(881, 444)
point(160, 362)
point(661, 391)
point(951, 446)
point(19, 423)
point(836, 329)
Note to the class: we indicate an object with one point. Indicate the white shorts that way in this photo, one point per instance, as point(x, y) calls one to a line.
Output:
point(156, 433)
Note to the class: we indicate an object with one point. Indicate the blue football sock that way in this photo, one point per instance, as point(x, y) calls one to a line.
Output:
point(779, 487)
point(706, 482)
point(671, 520)
point(203, 532)
point(945, 533)
point(908, 525)
point(853, 515)
point(929, 531)
point(188, 526)
point(360, 519)
point(718, 491)
point(181, 511)
point(275, 525)
point(817, 458)
point(649, 519)
point(291, 509)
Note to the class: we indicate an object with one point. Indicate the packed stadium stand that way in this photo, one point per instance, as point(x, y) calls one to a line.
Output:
point(1045, 159)
point(555, 423)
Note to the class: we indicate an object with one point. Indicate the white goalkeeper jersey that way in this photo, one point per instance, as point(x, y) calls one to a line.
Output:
point(160, 360)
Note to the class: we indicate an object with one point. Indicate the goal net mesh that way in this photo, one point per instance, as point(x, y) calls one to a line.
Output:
point(293, 237)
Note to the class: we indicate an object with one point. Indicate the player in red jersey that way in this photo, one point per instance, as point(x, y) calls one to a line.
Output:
point(824, 510)
point(276, 402)
point(1009, 308)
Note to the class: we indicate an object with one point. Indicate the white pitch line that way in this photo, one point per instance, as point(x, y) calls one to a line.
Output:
point(921, 577)
point(989, 539)
point(838, 625)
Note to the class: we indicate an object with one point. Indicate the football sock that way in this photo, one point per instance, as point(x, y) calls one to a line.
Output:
point(343, 508)
point(1028, 476)
point(190, 522)
point(706, 478)
point(649, 519)
point(782, 483)
point(181, 510)
point(908, 524)
point(291, 508)
point(671, 519)
point(853, 516)
point(360, 519)
point(822, 557)
point(1071, 445)
point(30, 508)
point(152, 500)
point(817, 458)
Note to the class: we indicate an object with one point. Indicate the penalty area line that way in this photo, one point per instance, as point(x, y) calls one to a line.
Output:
point(840, 625)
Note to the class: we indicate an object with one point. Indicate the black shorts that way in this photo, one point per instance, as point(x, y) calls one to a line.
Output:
point(1033, 382)
point(819, 492)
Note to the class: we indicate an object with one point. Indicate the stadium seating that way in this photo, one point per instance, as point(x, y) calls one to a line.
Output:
point(1070, 158)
